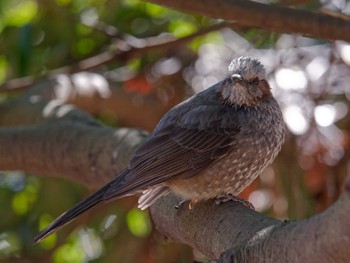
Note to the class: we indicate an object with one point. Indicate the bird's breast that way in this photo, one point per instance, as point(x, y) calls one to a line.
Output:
point(233, 172)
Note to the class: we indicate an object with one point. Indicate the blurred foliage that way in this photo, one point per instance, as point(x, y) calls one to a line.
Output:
point(38, 36)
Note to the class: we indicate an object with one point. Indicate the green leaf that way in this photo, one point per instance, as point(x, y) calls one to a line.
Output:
point(50, 241)
point(138, 223)
point(3, 68)
point(156, 10)
point(84, 46)
point(181, 28)
point(70, 252)
point(20, 12)
point(22, 201)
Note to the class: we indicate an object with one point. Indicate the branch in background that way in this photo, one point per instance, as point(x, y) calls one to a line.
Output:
point(69, 144)
point(326, 24)
point(44, 118)
point(94, 94)
point(99, 26)
point(94, 153)
point(125, 50)
point(335, 14)
point(268, 16)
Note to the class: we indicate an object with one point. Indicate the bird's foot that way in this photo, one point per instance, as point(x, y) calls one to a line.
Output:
point(229, 197)
point(192, 203)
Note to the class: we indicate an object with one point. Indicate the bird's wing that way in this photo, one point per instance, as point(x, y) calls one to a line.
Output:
point(185, 142)
point(180, 149)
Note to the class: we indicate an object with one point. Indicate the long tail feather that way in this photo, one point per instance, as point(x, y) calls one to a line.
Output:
point(92, 201)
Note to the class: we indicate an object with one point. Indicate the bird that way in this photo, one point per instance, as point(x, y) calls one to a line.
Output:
point(212, 145)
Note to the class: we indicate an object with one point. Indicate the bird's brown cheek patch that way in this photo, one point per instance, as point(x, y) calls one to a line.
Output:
point(265, 87)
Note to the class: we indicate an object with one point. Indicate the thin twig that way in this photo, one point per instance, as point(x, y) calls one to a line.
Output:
point(126, 49)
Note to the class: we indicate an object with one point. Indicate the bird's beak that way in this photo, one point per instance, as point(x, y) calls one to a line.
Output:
point(236, 77)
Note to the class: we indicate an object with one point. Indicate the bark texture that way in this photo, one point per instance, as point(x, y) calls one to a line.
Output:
point(275, 17)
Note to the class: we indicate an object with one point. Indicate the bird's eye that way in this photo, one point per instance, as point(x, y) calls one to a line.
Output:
point(256, 81)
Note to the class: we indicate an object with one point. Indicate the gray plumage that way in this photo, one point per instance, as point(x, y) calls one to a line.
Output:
point(215, 143)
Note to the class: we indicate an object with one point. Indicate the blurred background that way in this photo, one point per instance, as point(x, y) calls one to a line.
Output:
point(140, 70)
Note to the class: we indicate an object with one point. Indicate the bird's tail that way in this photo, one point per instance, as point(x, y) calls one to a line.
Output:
point(92, 201)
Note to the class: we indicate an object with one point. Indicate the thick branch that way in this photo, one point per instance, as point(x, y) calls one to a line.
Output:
point(71, 147)
point(207, 227)
point(242, 235)
point(268, 16)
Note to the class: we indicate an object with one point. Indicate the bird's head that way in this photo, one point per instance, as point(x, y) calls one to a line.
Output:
point(246, 83)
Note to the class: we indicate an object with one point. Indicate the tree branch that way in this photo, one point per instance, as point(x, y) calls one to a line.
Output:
point(94, 94)
point(209, 228)
point(242, 235)
point(69, 144)
point(268, 16)
point(41, 133)
point(123, 50)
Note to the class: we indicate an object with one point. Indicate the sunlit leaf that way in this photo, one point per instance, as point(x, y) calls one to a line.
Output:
point(213, 37)
point(134, 64)
point(69, 253)
point(19, 203)
point(50, 241)
point(22, 201)
point(83, 30)
point(138, 222)
point(156, 10)
point(20, 12)
point(85, 46)
point(181, 28)
point(3, 68)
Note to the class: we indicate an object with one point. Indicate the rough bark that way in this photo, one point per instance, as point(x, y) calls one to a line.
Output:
point(41, 133)
point(86, 152)
point(268, 16)
point(234, 233)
